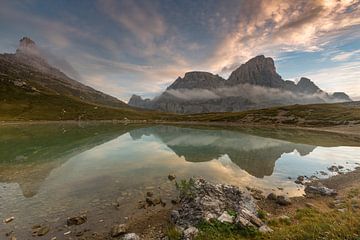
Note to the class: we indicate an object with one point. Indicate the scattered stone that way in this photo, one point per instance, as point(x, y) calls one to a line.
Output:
point(300, 180)
point(272, 197)
point(320, 189)
point(131, 236)
point(226, 217)
point(333, 168)
point(12, 238)
point(39, 230)
point(283, 200)
point(265, 229)
point(171, 177)
point(191, 232)
point(175, 215)
point(342, 210)
point(153, 202)
point(67, 233)
point(78, 220)
point(149, 194)
point(141, 205)
point(284, 218)
point(54, 238)
point(280, 188)
point(310, 205)
point(323, 173)
point(79, 233)
point(174, 201)
point(118, 230)
point(256, 193)
point(8, 220)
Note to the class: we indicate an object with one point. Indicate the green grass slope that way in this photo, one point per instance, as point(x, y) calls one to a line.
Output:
point(21, 104)
point(298, 115)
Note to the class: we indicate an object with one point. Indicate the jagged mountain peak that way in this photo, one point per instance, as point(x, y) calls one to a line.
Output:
point(259, 70)
point(305, 85)
point(197, 79)
point(27, 46)
point(255, 84)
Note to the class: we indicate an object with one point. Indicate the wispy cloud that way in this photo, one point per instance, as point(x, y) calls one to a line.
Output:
point(140, 46)
point(275, 26)
point(343, 56)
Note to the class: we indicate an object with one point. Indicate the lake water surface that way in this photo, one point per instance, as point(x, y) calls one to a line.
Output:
point(51, 171)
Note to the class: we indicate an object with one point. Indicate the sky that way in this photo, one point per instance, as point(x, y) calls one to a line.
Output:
point(125, 47)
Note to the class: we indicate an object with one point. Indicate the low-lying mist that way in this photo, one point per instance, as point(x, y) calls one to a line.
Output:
point(256, 94)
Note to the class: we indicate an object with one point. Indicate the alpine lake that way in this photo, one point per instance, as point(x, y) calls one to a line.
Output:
point(49, 172)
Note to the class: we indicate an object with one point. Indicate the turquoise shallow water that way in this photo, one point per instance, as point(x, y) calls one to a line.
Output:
point(49, 172)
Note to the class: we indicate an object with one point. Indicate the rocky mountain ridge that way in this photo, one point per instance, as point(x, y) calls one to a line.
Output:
point(28, 69)
point(255, 84)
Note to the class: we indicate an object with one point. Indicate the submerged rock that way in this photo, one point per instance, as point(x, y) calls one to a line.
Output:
point(333, 168)
point(78, 220)
point(40, 230)
point(10, 219)
point(300, 180)
point(171, 177)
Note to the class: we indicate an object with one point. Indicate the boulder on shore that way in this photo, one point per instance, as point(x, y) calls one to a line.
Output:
point(205, 201)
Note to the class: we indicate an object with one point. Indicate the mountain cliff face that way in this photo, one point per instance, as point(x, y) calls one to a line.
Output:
point(257, 71)
point(253, 85)
point(29, 70)
point(202, 80)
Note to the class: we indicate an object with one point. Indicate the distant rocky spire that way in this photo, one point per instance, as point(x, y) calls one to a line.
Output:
point(27, 46)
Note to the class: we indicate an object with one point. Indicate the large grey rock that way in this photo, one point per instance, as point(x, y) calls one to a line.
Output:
point(320, 189)
point(208, 201)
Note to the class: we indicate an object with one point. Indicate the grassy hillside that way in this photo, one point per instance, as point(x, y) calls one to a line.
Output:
point(19, 104)
point(22, 104)
point(300, 115)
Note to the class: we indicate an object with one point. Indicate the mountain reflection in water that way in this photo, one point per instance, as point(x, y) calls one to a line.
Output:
point(256, 155)
point(28, 154)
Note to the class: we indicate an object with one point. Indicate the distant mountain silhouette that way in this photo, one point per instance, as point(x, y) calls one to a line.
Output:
point(255, 84)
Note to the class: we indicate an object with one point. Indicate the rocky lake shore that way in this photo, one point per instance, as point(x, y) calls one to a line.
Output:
point(200, 205)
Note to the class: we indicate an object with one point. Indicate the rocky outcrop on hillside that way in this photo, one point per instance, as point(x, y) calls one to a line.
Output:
point(255, 84)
